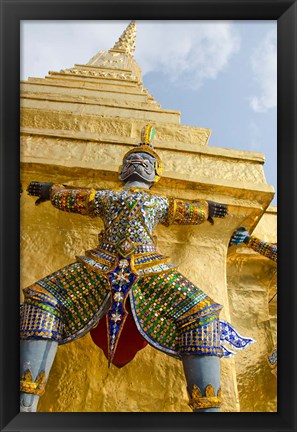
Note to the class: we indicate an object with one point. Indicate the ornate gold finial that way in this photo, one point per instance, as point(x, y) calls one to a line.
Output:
point(126, 42)
point(197, 401)
point(147, 134)
point(29, 386)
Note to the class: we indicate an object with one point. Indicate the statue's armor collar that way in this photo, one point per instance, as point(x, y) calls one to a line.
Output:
point(130, 217)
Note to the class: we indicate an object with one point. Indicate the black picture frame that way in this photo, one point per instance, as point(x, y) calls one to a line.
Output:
point(285, 12)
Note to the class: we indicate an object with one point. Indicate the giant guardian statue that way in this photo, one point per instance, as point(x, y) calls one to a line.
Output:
point(125, 291)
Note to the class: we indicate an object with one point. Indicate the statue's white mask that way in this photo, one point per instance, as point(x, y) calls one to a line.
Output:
point(138, 166)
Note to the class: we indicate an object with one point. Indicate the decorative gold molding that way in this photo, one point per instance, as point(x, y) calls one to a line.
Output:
point(101, 74)
point(36, 387)
point(198, 401)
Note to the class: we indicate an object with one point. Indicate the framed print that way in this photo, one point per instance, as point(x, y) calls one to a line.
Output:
point(73, 137)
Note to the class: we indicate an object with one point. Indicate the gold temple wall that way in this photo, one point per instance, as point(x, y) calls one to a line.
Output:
point(75, 130)
point(252, 288)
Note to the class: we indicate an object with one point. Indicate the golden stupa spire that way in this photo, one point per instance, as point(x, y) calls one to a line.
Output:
point(118, 62)
point(126, 42)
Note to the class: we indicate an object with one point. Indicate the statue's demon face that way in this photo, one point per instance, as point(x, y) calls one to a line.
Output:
point(138, 166)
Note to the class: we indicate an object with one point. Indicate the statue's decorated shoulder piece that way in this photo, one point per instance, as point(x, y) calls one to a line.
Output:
point(125, 288)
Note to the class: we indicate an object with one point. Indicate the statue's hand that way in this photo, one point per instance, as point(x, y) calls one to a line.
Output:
point(216, 210)
point(240, 235)
point(40, 189)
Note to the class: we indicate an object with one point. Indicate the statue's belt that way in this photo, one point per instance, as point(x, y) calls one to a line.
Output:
point(126, 248)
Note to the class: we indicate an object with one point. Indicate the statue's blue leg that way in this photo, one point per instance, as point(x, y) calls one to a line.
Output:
point(202, 371)
point(36, 359)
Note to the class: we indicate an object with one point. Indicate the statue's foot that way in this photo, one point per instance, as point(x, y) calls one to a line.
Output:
point(28, 402)
point(207, 410)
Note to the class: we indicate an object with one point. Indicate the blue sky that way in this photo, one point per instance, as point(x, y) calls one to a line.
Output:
point(218, 74)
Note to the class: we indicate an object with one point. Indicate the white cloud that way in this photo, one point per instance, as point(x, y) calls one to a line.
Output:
point(55, 45)
point(188, 51)
point(264, 67)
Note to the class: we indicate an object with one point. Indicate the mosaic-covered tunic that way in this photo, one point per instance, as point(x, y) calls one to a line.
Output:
point(170, 312)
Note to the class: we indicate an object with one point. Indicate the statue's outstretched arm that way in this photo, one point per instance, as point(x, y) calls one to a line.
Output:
point(66, 198)
point(266, 249)
point(193, 213)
